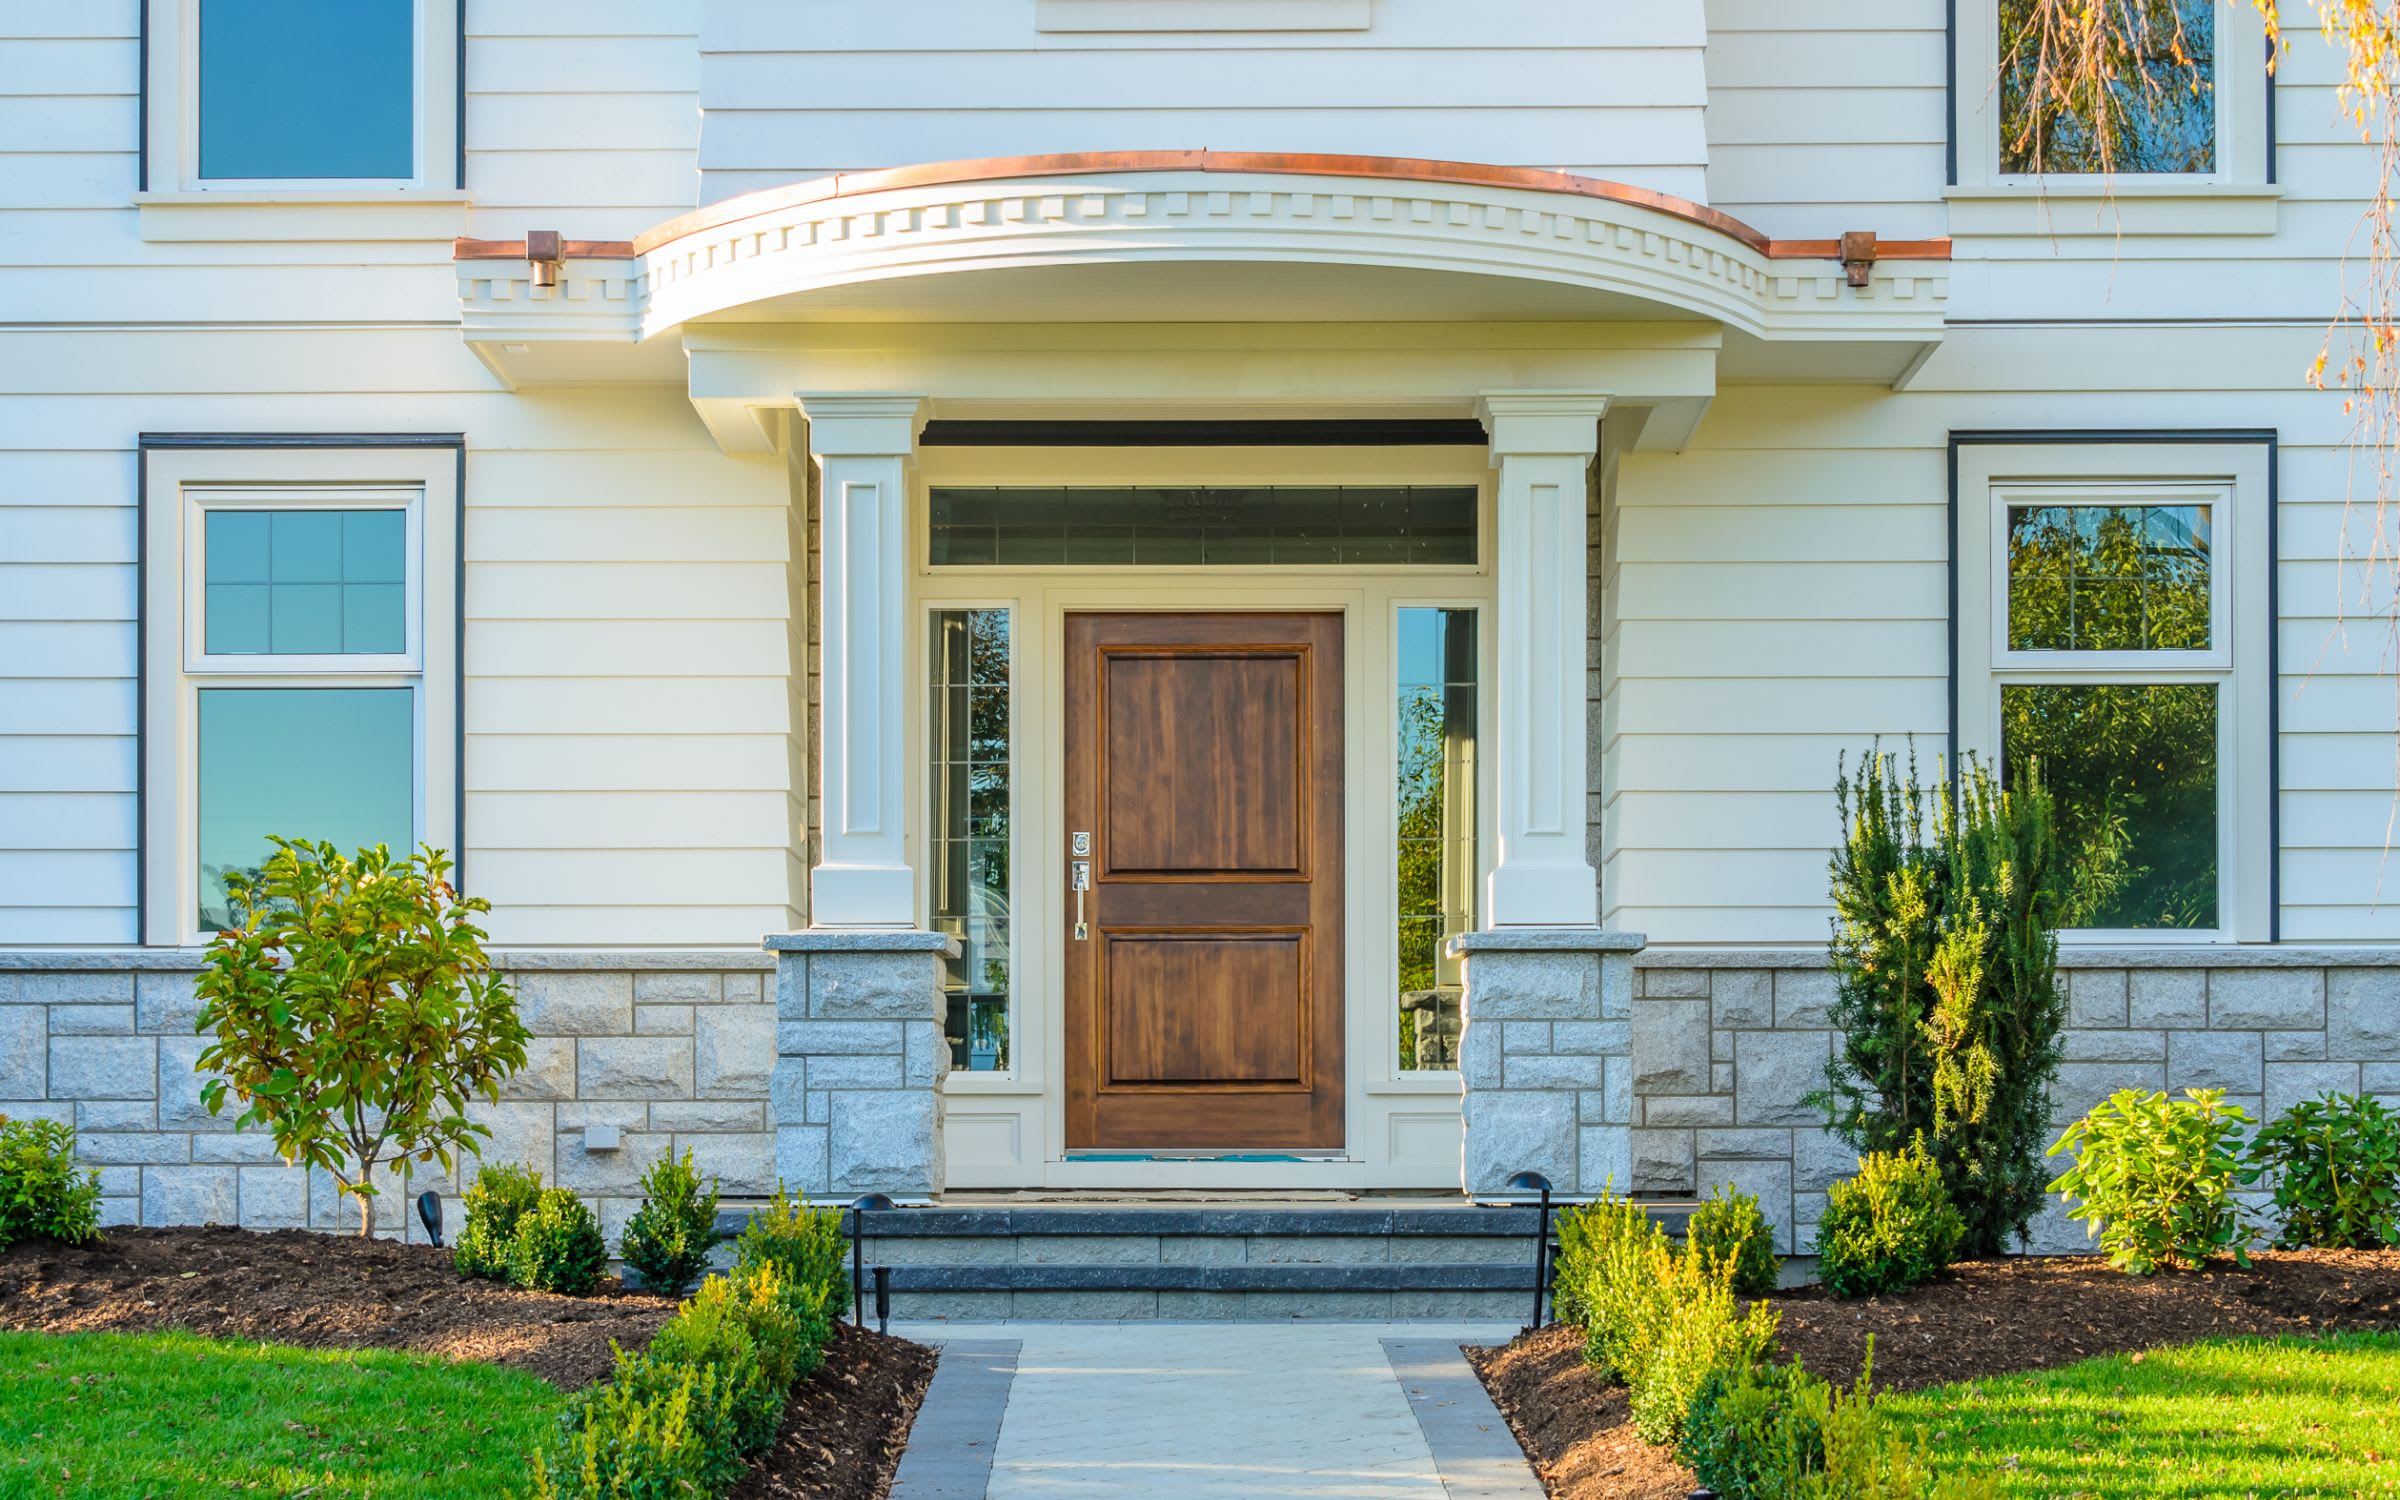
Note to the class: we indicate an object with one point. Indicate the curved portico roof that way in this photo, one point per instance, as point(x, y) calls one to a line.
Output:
point(1067, 237)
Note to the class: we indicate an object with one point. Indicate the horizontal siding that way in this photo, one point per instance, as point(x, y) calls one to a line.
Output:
point(1824, 118)
point(793, 90)
point(1780, 594)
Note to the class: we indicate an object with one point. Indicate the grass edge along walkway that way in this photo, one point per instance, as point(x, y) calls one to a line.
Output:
point(165, 1414)
point(2288, 1416)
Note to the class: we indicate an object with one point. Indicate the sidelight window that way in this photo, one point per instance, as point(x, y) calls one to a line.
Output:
point(969, 822)
point(1434, 809)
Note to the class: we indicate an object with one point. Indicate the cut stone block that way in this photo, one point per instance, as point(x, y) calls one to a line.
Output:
point(1743, 998)
point(24, 1052)
point(2096, 997)
point(625, 1067)
point(104, 1067)
point(1510, 1132)
point(2229, 1060)
point(885, 1141)
point(1774, 1071)
point(2167, 998)
point(164, 1004)
point(575, 1004)
point(733, 1051)
point(190, 1196)
point(1670, 1047)
point(2266, 999)
point(1803, 998)
point(2363, 1015)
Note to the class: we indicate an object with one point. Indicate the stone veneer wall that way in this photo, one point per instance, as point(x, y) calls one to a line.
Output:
point(1725, 1044)
point(675, 1049)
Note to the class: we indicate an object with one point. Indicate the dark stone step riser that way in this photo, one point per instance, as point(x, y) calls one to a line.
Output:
point(1387, 1277)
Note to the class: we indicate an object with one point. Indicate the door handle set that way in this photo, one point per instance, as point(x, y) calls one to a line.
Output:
point(1079, 880)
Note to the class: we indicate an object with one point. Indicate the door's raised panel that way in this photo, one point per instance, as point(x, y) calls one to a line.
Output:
point(1204, 753)
point(1205, 764)
point(1205, 1009)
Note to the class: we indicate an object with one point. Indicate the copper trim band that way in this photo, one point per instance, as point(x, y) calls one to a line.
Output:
point(1087, 163)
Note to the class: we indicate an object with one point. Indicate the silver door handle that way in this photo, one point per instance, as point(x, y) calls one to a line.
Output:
point(1079, 879)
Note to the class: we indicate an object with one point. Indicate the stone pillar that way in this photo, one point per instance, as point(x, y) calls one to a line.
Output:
point(1543, 443)
point(859, 1059)
point(1546, 1058)
point(865, 446)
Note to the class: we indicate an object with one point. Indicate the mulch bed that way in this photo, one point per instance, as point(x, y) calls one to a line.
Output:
point(1983, 1318)
point(842, 1430)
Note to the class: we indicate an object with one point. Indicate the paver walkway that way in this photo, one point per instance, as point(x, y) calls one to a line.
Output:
point(1228, 1411)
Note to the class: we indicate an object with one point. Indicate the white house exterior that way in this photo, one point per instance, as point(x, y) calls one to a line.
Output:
point(782, 472)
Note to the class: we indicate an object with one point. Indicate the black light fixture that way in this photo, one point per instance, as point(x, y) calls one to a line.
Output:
point(429, 1208)
point(858, 1273)
point(1535, 1182)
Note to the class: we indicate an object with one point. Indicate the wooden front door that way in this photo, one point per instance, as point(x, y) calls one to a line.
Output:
point(1204, 988)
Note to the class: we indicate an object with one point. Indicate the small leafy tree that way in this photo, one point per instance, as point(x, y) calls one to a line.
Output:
point(1945, 955)
point(354, 1012)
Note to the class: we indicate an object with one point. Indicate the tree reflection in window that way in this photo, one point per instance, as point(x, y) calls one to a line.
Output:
point(969, 823)
point(1435, 787)
point(2157, 114)
point(2108, 578)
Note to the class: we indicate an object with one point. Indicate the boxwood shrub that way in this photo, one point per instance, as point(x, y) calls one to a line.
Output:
point(670, 1235)
point(1731, 1227)
point(557, 1246)
point(42, 1195)
point(500, 1196)
point(1889, 1228)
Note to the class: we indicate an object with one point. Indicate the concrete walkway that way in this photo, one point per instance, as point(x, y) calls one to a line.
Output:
point(1230, 1411)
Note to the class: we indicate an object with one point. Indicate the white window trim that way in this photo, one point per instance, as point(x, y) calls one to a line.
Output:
point(172, 148)
point(2236, 198)
point(181, 484)
point(2235, 474)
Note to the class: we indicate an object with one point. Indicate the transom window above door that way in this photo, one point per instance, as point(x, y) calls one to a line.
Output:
point(1203, 526)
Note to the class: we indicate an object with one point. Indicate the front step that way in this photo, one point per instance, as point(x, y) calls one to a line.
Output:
point(1368, 1261)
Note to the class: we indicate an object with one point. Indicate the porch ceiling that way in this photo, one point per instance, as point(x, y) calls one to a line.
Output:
point(1196, 237)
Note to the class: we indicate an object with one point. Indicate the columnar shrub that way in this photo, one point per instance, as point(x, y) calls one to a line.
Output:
point(42, 1195)
point(1730, 1227)
point(679, 1419)
point(352, 1011)
point(557, 1246)
point(2335, 1166)
point(669, 1236)
point(1583, 1232)
point(498, 1199)
point(1947, 903)
point(1659, 1321)
point(1889, 1228)
point(2154, 1178)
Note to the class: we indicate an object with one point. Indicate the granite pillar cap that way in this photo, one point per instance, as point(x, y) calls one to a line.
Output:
point(1545, 940)
point(861, 940)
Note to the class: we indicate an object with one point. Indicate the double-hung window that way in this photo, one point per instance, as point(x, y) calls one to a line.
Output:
point(271, 95)
point(2113, 643)
point(300, 664)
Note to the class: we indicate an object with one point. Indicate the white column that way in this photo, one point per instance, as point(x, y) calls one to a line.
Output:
point(1543, 443)
point(865, 447)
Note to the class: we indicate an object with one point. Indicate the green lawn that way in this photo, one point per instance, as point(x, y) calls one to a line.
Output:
point(2234, 1417)
point(167, 1414)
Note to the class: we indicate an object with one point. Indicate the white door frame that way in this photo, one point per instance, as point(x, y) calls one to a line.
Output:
point(1008, 1130)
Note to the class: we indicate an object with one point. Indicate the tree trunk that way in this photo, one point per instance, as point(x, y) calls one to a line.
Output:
point(366, 1202)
